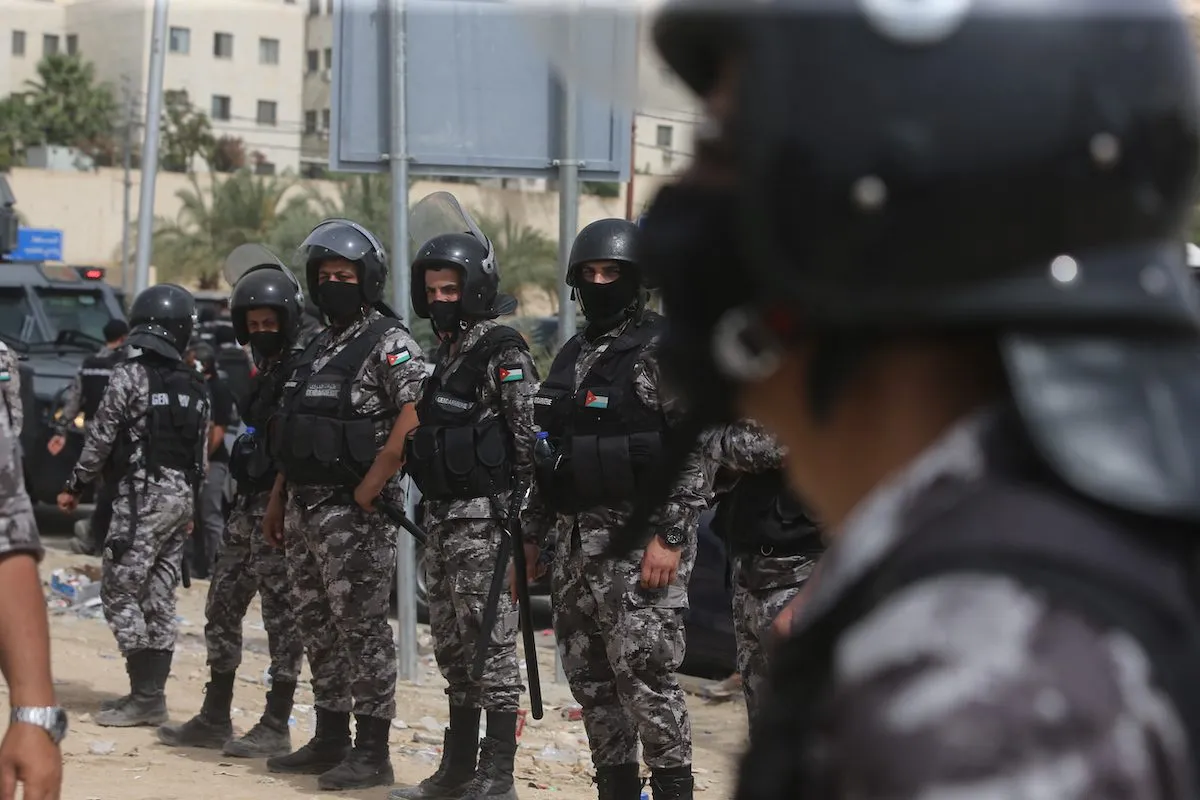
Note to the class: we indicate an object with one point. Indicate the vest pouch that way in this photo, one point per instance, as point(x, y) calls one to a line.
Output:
point(554, 481)
point(586, 474)
point(240, 455)
point(645, 450)
point(616, 467)
point(360, 444)
point(299, 438)
point(492, 456)
point(423, 462)
point(325, 437)
point(459, 451)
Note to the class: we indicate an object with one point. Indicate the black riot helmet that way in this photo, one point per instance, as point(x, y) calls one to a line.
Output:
point(161, 320)
point(268, 287)
point(606, 304)
point(343, 238)
point(1038, 195)
point(603, 240)
point(475, 262)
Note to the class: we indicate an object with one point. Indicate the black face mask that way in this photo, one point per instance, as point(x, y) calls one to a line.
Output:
point(445, 317)
point(267, 344)
point(604, 304)
point(341, 302)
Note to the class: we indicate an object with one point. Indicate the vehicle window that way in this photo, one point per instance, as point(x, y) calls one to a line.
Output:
point(16, 316)
point(75, 310)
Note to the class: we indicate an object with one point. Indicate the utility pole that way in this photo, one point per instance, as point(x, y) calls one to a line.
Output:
point(154, 91)
point(568, 184)
point(127, 277)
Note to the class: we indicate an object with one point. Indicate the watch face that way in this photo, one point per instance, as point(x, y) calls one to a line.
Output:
point(674, 538)
point(58, 725)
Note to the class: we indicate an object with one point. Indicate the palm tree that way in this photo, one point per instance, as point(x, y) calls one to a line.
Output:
point(241, 208)
point(526, 256)
point(66, 105)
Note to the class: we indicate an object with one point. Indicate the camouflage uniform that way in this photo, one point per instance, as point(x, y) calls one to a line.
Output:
point(464, 538)
point(18, 528)
point(139, 592)
point(762, 584)
point(974, 685)
point(340, 559)
point(621, 644)
point(10, 388)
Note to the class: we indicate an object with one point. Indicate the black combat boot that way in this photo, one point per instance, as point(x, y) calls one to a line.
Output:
point(619, 782)
point(270, 736)
point(147, 705)
point(328, 747)
point(212, 727)
point(674, 783)
point(116, 702)
point(369, 763)
point(457, 768)
point(494, 776)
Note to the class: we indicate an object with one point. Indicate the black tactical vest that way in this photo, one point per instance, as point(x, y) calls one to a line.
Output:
point(760, 515)
point(607, 438)
point(234, 366)
point(176, 428)
point(93, 380)
point(1117, 570)
point(250, 462)
point(449, 456)
point(318, 437)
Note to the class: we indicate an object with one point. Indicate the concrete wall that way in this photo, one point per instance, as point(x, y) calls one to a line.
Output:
point(87, 206)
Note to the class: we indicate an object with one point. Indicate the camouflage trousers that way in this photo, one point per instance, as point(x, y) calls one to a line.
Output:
point(248, 564)
point(459, 560)
point(341, 562)
point(762, 586)
point(620, 647)
point(138, 594)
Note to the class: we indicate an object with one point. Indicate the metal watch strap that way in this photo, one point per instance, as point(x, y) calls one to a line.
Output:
point(45, 717)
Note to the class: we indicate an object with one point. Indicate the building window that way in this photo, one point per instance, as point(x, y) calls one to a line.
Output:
point(18, 43)
point(310, 122)
point(264, 168)
point(663, 136)
point(266, 112)
point(328, 58)
point(268, 51)
point(314, 60)
point(180, 41)
point(221, 107)
point(223, 45)
point(314, 7)
point(325, 120)
point(72, 44)
point(49, 45)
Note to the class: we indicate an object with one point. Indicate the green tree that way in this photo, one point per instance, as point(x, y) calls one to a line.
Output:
point(526, 256)
point(228, 154)
point(186, 133)
point(15, 129)
point(241, 208)
point(67, 107)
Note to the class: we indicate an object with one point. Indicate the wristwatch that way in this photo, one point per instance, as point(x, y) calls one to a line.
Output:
point(672, 538)
point(51, 719)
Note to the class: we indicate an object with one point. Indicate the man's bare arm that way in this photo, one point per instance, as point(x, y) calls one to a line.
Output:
point(24, 632)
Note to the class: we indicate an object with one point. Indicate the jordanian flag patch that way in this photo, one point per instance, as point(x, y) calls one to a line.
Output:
point(595, 401)
point(399, 357)
point(511, 374)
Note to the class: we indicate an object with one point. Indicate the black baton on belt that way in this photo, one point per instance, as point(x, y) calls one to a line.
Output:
point(392, 512)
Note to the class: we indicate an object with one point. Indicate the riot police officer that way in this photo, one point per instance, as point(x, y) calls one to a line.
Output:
point(10, 387)
point(205, 544)
point(148, 437)
point(339, 439)
point(619, 622)
point(84, 395)
point(969, 310)
point(473, 449)
point(771, 542)
point(266, 306)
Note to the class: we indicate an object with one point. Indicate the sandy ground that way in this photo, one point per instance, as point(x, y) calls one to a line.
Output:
point(127, 764)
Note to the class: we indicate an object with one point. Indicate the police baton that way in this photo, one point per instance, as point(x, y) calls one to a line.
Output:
point(393, 512)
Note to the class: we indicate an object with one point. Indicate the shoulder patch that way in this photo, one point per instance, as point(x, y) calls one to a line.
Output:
point(512, 373)
point(399, 357)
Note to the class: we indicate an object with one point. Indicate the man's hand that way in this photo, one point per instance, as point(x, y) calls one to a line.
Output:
point(533, 569)
point(659, 565)
point(67, 502)
point(782, 626)
point(273, 521)
point(56, 444)
point(368, 489)
point(30, 758)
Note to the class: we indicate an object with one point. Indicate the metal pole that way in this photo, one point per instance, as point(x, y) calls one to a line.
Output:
point(568, 191)
point(406, 562)
point(127, 159)
point(632, 170)
point(154, 91)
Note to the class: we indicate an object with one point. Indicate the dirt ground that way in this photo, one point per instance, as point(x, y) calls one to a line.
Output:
point(129, 764)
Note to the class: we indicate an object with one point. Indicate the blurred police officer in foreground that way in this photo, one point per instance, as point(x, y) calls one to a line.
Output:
point(149, 438)
point(339, 438)
point(474, 447)
point(967, 307)
point(619, 622)
point(29, 754)
point(10, 387)
point(84, 395)
point(266, 304)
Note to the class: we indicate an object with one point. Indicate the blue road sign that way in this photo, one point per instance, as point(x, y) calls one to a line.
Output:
point(38, 244)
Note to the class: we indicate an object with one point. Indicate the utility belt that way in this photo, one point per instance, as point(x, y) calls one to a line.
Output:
point(250, 463)
point(460, 462)
point(805, 547)
point(589, 471)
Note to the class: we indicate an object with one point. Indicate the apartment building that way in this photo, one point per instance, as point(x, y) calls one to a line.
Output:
point(318, 71)
point(240, 61)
